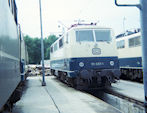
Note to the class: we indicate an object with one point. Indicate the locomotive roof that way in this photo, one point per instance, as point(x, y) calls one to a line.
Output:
point(82, 26)
point(88, 27)
point(127, 33)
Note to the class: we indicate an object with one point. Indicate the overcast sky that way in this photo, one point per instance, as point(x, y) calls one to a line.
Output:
point(66, 11)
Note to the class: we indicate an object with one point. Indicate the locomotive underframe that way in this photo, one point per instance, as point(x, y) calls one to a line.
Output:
point(132, 74)
point(84, 79)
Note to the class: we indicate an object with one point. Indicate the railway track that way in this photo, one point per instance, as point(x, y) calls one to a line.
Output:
point(135, 101)
point(118, 100)
point(110, 96)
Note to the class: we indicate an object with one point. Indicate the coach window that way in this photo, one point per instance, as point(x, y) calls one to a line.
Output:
point(55, 47)
point(12, 6)
point(15, 11)
point(84, 35)
point(9, 2)
point(60, 42)
point(120, 44)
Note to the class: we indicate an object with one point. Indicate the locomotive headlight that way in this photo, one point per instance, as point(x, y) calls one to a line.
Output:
point(112, 63)
point(81, 64)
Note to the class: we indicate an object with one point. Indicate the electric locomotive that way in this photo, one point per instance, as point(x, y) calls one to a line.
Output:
point(11, 55)
point(130, 55)
point(85, 57)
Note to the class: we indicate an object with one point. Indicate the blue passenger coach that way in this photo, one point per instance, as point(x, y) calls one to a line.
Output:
point(10, 54)
point(85, 56)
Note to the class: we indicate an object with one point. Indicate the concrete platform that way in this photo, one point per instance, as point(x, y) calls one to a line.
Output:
point(130, 89)
point(57, 97)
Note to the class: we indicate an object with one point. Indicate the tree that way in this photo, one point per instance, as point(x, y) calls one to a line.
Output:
point(34, 48)
point(47, 43)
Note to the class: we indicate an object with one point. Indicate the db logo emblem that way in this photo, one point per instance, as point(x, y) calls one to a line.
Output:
point(96, 51)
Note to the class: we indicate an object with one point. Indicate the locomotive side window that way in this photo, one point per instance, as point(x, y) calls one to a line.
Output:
point(102, 35)
point(134, 42)
point(137, 41)
point(67, 38)
point(60, 42)
point(51, 49)
point(120, 44)
point(84, 35)
point(55, 47)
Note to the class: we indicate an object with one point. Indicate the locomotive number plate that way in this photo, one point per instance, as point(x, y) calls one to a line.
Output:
point(96, 51)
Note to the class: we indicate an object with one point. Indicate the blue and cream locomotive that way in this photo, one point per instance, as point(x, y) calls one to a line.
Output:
point(85, 56)
point(130, 55)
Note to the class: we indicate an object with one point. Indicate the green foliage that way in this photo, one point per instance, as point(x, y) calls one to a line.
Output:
point(34, 48)
point(47, 43)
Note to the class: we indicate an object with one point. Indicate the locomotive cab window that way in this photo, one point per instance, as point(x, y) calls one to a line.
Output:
point(103, 35)
point(120, 44)
point(136, 41)
point(84, 35)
